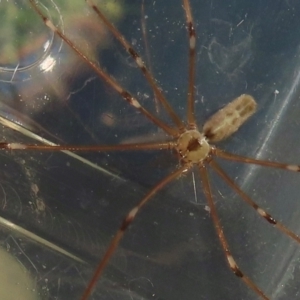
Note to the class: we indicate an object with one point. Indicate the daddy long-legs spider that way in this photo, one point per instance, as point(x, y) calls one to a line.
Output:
point(165, 254)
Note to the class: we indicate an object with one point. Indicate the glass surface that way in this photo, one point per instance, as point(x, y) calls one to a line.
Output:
point(58, 211)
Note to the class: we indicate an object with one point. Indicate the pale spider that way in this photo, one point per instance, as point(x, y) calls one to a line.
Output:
point(194, 146)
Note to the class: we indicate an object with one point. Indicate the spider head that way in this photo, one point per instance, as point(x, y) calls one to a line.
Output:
point(193, 147)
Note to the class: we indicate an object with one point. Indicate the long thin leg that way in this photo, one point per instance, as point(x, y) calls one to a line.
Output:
point(250, 202)
point(147, 51)
point(108, 79)
point(99, 148)
point(126, 222)
point(247, 160)
point(192, 65)
point(213, 211)
point(140, 63)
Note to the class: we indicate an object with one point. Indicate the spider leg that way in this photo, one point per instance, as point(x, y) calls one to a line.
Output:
point(107, 78)
point(215, 218)
point(250, 202)
point(140, 63)
point(192, 65)
point(124, 226)
point(247, 160)
point(99, 148)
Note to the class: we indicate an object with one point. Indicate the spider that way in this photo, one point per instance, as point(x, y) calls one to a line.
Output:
point(196, 148)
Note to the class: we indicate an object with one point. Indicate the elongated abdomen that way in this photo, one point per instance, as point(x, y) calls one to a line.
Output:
point(229, 119)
